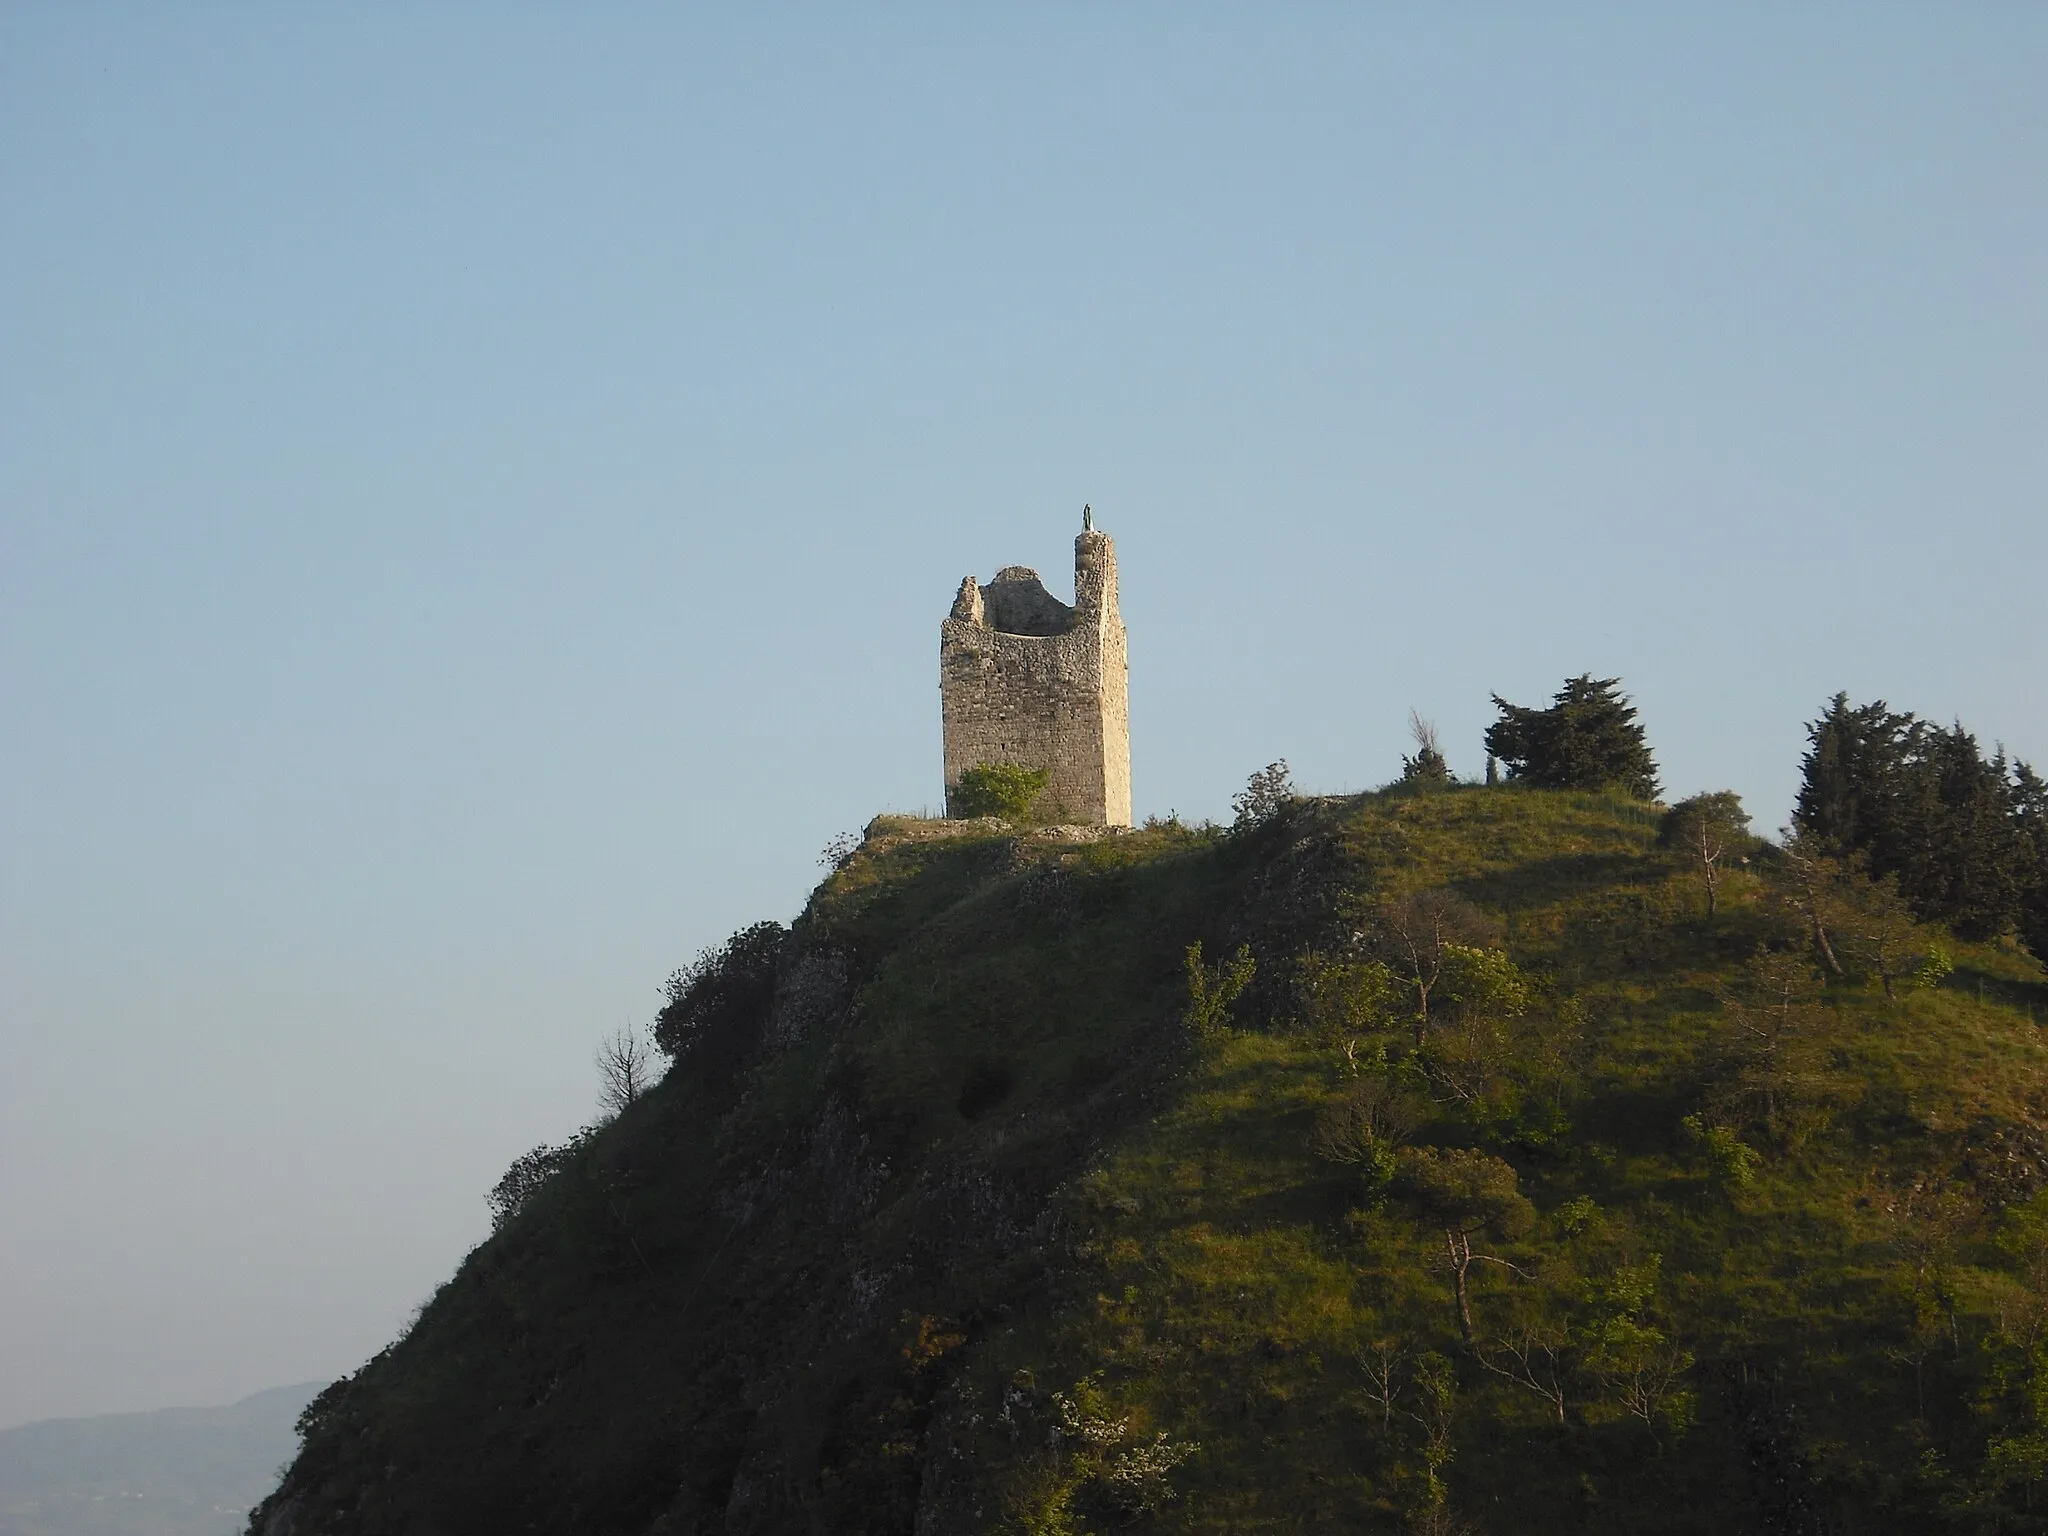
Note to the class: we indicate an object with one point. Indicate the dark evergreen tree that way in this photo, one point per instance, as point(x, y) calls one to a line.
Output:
point(2030, 816)
point(1850, 774)
point(1587, 739)
point(1900, 797)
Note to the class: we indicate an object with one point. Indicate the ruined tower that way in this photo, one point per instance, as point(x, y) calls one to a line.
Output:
point(1023, 678)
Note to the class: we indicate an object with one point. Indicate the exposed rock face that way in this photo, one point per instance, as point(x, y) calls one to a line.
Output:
point(1024, 678)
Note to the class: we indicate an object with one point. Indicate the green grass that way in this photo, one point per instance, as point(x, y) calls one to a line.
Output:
point(847, 1286)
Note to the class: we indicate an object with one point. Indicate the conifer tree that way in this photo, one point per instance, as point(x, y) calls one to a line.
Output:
point(1587, 739)
point(1965, 836)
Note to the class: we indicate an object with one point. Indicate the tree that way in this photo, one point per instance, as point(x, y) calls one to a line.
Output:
point(1214, 989)
point(1480, 990)
point(1959, 830)
point(725, 991)
point(1366, 1127)
point(1880, 934)
point(1810, 883)
point(1415, 932)
point(528, 1174)
point(1465, 1193)
point(1850, 772)
point(1265, 795)
point(1007, 790)
point(625, 1069)
point(2030, 819)
point(1705, 828)
point(1771, 1006)
point(1428, 766)
point(1587, 739)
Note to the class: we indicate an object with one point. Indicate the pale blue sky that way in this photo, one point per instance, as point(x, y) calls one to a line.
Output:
point(479, 487)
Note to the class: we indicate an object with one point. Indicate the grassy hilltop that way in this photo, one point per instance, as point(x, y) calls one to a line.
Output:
point(993, 1209)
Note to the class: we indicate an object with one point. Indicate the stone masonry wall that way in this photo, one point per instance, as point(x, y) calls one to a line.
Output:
point(1054, 697)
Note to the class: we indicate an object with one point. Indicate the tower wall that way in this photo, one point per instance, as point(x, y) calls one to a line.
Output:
point(1024, 678)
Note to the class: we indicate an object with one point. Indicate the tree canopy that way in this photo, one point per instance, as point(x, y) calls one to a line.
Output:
point(1587, 739)
point(1965, 836)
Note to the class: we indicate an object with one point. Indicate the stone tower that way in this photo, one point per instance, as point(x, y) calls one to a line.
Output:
point(1023, 678)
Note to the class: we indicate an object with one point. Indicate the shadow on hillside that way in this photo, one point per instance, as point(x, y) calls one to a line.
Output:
point(1544, 882)
point(2028, 997)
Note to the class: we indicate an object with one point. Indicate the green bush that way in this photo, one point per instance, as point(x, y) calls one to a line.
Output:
point(1008, 790)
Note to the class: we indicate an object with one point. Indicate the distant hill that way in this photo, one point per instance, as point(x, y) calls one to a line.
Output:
point(175, 1472)
point(972, 1206)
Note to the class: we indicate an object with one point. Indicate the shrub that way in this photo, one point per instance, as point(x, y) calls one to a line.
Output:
point(1008, 790)
point(1265, 795)
point(1214, 989)
point(725, 990)
point(528, 1174)
point(1366, 1128)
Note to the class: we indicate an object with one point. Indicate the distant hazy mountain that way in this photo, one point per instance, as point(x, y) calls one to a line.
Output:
point(176, 1472)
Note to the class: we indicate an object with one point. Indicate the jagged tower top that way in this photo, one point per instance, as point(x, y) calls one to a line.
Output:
point(1025, 678)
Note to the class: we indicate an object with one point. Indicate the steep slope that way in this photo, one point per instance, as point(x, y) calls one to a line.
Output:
point(997, 1220)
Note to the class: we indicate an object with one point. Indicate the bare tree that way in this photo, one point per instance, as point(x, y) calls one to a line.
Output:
point(625, 1069)
point(1771, 1006)
point(1466, 1193)
point(1706, 827)
point(1428, 765)
point(1811, 889)
point(1416, 932)
point(1532, 1357)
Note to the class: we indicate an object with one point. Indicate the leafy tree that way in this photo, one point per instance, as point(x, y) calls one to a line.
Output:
point(1214, 989)
point(1265, 795)
point(1465, 1193)
point(1880, 935)
point(1415, 932)
point(725, 992)
point(1643, 1370)
point(1343, 998)
point(1587, 739)
point(1706, 828)
point(1480, 991)
point(1731, 1160)
point(1007, 790)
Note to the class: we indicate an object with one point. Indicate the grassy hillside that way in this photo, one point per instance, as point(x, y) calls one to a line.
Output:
point(975, 1230)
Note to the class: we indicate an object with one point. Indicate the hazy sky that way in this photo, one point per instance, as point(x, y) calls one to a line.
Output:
point(479, 487)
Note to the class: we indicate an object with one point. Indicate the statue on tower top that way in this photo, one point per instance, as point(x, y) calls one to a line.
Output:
point(1087, 519)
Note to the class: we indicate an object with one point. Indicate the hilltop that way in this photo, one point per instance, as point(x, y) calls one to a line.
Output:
point(978, 1201)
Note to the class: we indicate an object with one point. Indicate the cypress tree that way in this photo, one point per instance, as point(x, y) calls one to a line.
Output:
point(1965, 836)
point(1587, 739)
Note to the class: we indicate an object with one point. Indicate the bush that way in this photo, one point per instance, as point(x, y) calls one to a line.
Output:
point(1008, 790)
point(724, 991)
point(528, 1173)
point(1265, 795)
